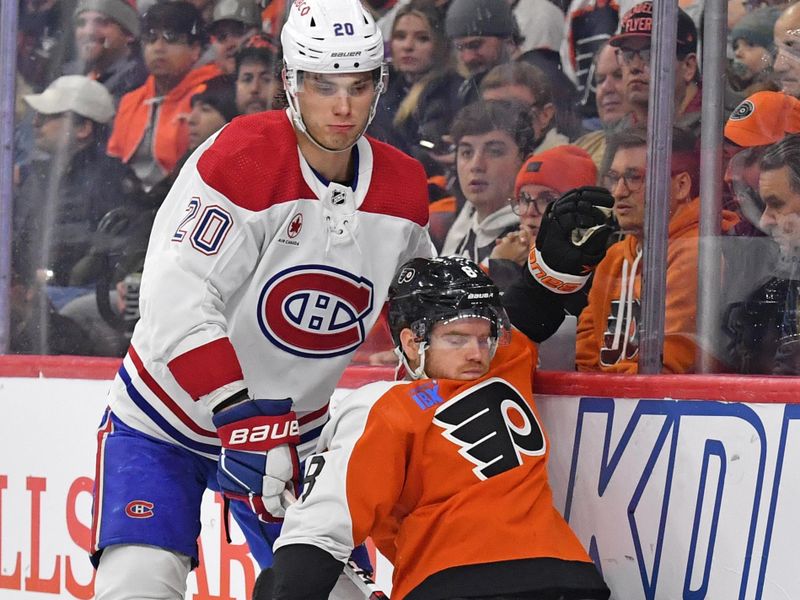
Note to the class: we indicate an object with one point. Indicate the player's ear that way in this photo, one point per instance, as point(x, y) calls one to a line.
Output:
point(409, 344)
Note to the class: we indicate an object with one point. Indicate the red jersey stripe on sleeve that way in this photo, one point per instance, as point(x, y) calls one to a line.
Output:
point(162, 395)
point(206, 368)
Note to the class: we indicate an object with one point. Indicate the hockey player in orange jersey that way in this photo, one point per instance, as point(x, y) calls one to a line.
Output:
point(446, 470)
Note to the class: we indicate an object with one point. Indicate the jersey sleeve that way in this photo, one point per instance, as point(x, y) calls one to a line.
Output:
point(353, 484)
point(203, 247)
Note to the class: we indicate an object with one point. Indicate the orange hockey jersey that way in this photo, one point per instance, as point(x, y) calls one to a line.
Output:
point(450, 480)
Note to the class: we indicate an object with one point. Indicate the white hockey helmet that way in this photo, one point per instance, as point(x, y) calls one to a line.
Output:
point(331, 36)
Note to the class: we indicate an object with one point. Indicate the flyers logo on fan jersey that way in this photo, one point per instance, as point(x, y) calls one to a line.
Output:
point(315, 311)
point(493, 425)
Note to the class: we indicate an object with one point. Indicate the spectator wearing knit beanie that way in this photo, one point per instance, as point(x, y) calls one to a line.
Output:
point(752, 40)
point(105, 35)
point(542, 179)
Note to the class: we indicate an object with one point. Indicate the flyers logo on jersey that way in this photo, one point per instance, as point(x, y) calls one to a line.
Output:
point(493, 425)
point(315, 311)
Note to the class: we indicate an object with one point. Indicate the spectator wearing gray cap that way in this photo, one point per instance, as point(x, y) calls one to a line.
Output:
point(66, 193)
point(105, 40)
point(484, 34)
point(232, 23)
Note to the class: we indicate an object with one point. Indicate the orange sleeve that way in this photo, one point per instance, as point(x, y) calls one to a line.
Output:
point(680, 325)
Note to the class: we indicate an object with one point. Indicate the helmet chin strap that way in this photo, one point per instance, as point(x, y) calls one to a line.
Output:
point(415, 374)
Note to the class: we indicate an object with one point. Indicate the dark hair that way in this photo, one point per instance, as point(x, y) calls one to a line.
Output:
point(178, 17)
point(785, 153)
point(524, 74)
point(260, 48)
point(219, 92)
point(503, 115)
point(685, 155)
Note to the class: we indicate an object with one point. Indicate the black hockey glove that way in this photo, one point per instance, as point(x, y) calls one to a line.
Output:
point(572, 239)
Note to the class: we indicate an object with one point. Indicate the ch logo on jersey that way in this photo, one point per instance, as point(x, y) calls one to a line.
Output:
point(493, 425)
point(139, 509)
point(315, 311)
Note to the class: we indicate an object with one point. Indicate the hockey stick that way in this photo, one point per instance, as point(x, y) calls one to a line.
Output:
point(358, 576)
point(365, 584)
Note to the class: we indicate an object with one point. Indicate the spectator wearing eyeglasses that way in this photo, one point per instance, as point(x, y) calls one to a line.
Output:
point(484, 34)
point(608, 328)
point(150, 132)
point(541, 180)
point(105, 36)
point(492, 140)
point(633, 44)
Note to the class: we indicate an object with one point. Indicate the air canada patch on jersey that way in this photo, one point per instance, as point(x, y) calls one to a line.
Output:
point(493, 427)
point(315, 311)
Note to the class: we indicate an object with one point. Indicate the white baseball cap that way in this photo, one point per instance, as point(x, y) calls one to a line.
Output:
point(75, 93)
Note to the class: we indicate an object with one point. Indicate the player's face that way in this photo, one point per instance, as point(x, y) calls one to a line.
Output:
point(781, 217)
point(610, 90)
point(256, 86)
point(487, 165)
point(625, 181)
point(98, 35)
point(203, 121)
point(459, 350)
point(335, 107)
point(412, 45)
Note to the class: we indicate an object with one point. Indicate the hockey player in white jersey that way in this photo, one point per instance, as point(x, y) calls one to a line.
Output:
point(268, 264)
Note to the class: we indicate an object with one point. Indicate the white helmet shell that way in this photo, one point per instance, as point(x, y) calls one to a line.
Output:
point(331, 36)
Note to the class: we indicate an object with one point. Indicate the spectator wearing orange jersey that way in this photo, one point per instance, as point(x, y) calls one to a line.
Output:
point(150, 131)
point(608, 328)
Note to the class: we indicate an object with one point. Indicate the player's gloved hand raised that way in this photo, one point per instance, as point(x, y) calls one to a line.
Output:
point(572, 239)
point(258, 460)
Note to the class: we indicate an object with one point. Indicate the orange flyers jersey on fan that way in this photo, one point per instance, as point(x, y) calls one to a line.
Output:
point(441, 473)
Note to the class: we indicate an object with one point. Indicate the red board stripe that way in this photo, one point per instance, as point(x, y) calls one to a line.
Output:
point(731, 388)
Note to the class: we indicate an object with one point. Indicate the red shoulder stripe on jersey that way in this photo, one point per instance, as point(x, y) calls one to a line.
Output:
point(162, 395)
point(254, 163)
point(399, 187)
point(206, 368)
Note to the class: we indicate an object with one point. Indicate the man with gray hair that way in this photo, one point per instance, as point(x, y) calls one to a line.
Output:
point(105, 31)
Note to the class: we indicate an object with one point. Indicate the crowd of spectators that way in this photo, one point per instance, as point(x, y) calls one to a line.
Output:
point(507, 104)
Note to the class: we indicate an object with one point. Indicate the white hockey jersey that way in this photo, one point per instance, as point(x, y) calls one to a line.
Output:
point(260, 273)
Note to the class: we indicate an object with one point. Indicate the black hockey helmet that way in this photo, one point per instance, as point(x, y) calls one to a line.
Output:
point(426, 291)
